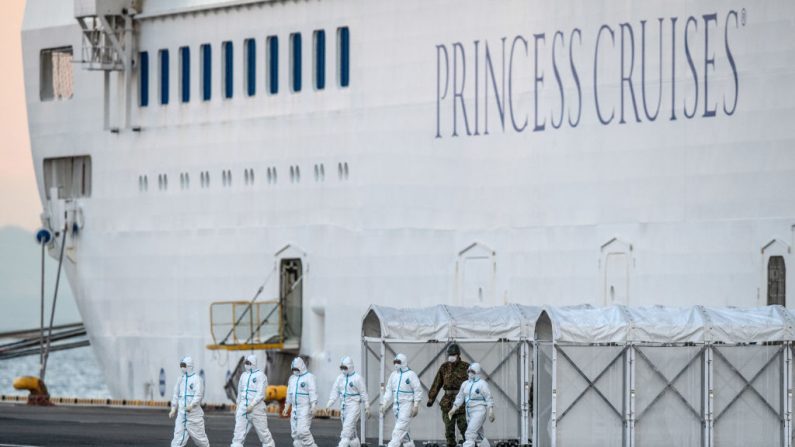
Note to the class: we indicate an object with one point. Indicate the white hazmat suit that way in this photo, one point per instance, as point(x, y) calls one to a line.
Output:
point(186, 404)
point(351, 391)
point(404, 388)
point(251, 405)
point(302, 398)
point(476, 396)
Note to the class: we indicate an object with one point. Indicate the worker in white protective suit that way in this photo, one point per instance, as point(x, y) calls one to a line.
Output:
point(251, 405)
point(302, 398)
point(476, 396)
point(186, 405)
point(351, 391)
point(404, 388)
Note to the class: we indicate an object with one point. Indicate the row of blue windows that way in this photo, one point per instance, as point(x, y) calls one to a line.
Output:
point(250, 69)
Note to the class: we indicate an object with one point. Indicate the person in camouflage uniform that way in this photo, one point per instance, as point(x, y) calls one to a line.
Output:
point(450, 376)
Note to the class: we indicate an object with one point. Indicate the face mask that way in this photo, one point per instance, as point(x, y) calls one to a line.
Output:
point(184, 370)
point(452, 358)
point(471, 374)
point(296, 372)
point(397, 366)
point(344, 370)
point(247, 366)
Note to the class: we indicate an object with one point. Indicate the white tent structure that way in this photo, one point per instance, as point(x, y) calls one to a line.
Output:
point(655, 376)
point(499, 338)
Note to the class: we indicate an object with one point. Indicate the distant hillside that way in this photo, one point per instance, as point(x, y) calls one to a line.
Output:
point(20, 263)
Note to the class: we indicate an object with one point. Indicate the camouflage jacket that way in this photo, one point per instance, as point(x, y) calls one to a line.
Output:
point(449, 377)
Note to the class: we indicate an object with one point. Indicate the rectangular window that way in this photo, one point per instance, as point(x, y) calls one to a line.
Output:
point(143, 79)
point(320, 59)
point(228, 73)
point(184, 70)
point(70, 176)
point(55, 77)
point(163, 77)
point(273, 64)
point(344, 54)
point(251, 67)
point(295, 61)
point(206, 72)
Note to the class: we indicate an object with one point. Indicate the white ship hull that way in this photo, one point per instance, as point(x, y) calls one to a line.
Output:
point(643, 212)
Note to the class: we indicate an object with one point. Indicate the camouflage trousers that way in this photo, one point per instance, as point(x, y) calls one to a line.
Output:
point(460, 419)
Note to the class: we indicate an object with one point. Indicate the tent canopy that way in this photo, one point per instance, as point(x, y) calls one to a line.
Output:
point(442, 322)
point(656, 324)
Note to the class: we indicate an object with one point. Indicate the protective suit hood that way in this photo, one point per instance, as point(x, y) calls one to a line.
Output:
point(188, 361)
point(298, 363)
point(253, 360)
point(476, 369)
point(348, 363)
point(404, 361)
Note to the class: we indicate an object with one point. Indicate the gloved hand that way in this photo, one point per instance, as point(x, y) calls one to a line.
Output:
point(286, 410)
point(190, 407)
point(430, 403)
point(367, 413)
point(329, 404)
point(415, 409)
point(491, 414)
point(452, 412)
point(312, 408)
point(250, 408)
point(172, 412)
point(382, 409)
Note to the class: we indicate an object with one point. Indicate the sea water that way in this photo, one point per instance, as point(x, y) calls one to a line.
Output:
point(71, 373)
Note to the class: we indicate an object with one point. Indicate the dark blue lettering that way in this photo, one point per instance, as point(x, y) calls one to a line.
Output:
point(537, 80)
point(596, 69)
point(707, 62)
point(510, 83)
point(576, 76)
point(559, 81)
point(440, 96)
point(477, 96)
point(458, 94)
point(649, 116)
point(628, 78)
point(497, 92)
point(730, 56)
point(690, 20)
point(673, 68)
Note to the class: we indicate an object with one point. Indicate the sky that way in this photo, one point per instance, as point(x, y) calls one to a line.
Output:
point(19, 200)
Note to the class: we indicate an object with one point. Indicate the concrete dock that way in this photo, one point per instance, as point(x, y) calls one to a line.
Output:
point(22, 425)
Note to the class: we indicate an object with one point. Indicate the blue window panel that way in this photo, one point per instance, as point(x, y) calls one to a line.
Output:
point(184, 56)
point(295, 43)
point(344, 37)
point(251, 67)
point(207, 76)
point(273, 65)
point(143, 84)
point(228, 73)
point(320, 59)
point(163, 77)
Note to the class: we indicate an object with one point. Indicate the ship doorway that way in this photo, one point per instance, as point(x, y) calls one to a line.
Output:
point(476, 270)
point(616, 264)
point(291, 297)
point(616, 279)
point(776, 281)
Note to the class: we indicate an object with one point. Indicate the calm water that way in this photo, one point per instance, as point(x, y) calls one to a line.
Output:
point(72, 373)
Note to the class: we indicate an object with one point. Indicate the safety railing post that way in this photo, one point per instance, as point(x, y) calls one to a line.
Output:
point(534, 384)
point(629, 397)
point(787, 397)
point(554, 403)
point(523, 392)
point(381, 395)
point(708, 394)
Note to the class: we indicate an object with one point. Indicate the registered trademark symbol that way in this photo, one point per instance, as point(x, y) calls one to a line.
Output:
point(743, 16)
